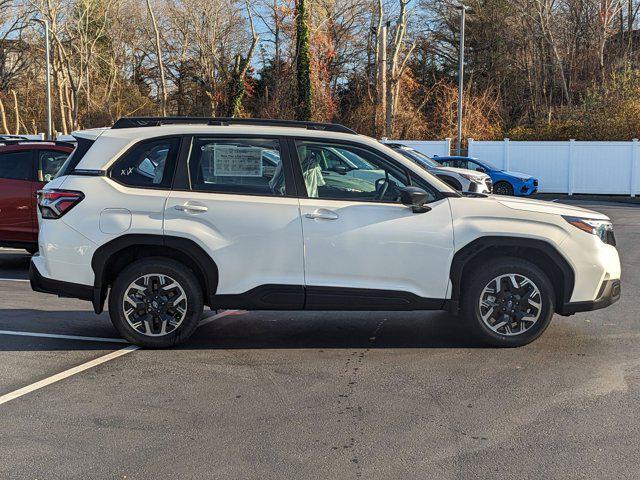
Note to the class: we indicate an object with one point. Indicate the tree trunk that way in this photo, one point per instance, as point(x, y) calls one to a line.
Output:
point(17, 111)
point(163, 85)
point(3, 118)
point(303, 62)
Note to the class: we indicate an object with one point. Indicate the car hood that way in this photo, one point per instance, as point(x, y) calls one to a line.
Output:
point(541, 206)
point(516, 174)
point(466, 171)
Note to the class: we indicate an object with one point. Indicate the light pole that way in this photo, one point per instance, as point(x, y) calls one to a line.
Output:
point(48, 59)
point(463, 10)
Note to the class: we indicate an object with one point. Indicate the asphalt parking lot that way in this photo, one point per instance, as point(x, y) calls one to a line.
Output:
point(319, 395)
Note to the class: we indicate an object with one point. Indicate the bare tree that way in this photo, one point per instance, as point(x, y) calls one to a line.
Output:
point(163, 83)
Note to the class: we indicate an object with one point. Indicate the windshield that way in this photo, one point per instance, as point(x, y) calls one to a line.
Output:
point(487, 164)
point(419, 157)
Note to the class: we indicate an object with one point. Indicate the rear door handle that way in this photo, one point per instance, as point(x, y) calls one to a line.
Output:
point(191, 208)
point(322, 214)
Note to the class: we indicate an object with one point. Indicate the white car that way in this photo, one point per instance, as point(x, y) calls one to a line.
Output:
point(461, 179)
point(210, 226)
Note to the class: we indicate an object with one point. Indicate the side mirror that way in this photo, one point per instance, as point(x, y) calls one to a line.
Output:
point(341, 170)
point(415, 198)
point(481, 170)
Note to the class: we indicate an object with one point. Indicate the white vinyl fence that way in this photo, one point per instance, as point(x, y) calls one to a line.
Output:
point(428, 147)
point(568, 166)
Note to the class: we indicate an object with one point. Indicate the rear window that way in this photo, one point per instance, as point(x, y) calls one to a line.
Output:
point(74, 159)
point(149, 164)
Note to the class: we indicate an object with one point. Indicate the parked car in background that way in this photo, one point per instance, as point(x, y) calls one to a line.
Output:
point(25, 167)
point(504, 182)
point(12, 137)
point(458, 178)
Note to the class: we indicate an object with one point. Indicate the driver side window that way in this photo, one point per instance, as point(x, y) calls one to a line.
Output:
point(363, 174)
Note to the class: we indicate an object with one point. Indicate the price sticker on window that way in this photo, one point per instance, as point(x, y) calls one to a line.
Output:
point(237, 161)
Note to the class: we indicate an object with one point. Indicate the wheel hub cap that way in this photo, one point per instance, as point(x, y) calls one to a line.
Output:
point(510, 304)
point(154, 305)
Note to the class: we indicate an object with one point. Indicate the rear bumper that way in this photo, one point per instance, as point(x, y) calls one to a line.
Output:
point(43, 284)
point(609, 293)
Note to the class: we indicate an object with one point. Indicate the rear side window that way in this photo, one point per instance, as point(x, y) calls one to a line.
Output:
point(73, 160)
point(149, 164)
point(16, 165)
point(250, 166)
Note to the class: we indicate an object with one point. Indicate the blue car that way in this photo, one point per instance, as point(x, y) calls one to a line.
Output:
point(504, 182)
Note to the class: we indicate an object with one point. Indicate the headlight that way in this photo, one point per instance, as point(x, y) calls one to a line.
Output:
point(601, 228)
point(526, 179)
point(473, 178)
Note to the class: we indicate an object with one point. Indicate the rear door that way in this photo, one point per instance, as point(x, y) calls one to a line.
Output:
point(16, 188)
point(235, 197)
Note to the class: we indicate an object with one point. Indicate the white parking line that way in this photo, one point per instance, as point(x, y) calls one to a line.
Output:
point(85, 366)
point(66, 337)
point(220, 315)
point(66, 374)
point(14, 280)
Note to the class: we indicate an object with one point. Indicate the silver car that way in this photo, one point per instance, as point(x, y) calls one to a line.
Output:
point(459, 178)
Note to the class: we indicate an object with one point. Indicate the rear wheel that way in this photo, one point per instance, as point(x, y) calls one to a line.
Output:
point(509, 303)
point(156, 303)
point(503, 188)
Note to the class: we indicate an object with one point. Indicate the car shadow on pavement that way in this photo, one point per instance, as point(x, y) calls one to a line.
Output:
point(251, 330)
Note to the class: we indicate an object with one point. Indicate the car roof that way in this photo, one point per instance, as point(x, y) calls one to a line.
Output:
point(16, 145)
point(112, 143)
point(456, 157)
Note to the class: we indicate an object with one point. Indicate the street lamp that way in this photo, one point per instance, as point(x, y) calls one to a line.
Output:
point(463, 9)
point(48, 59)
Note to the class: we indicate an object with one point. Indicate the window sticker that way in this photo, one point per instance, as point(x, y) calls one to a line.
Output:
point(235, 161)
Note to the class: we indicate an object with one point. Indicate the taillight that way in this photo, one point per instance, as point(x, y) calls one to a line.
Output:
point(55, 203)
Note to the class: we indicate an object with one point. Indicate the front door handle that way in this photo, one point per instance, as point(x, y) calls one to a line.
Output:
point(191, 208)
point(322, 214)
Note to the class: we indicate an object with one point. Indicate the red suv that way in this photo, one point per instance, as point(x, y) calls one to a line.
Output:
point(25, 166)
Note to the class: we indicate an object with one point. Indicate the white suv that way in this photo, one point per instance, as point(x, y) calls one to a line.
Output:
point(167, 215)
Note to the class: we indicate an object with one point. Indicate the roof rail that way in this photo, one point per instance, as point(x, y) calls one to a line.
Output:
point(134, 122)
point(59, 143)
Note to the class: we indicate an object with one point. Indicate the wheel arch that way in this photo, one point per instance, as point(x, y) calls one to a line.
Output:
point(113, 256)
point(539, 252)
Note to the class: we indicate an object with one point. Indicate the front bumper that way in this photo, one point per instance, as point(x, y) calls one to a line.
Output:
point(530, 187)
point(609, 293)
point(485, 186)
point(43, 284)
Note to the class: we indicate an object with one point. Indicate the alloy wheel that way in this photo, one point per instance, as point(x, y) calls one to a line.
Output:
point(510, 304)
point(154, 305)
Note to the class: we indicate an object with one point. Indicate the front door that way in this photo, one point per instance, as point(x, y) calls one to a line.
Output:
point(16, 205)
point(357, 234)
point(237, 204)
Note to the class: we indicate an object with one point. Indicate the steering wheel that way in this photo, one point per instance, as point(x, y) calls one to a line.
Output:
point(382, 184)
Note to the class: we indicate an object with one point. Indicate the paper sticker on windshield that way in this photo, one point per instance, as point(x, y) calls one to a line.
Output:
point(235, 161)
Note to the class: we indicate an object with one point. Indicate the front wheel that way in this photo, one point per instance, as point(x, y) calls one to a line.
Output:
point(509, 303)
point(156, 303)
point(503, 188)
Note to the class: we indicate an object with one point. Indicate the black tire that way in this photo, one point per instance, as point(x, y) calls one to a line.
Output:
point(481, 277)
point(503, 188)
point(186, 280)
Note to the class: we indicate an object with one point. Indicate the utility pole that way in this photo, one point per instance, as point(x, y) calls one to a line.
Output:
point(382, 73)
point(463, 10)
point(48, 60)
